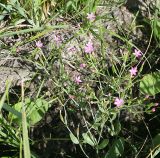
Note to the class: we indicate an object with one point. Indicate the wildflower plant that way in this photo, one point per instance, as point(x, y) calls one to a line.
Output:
point(93, 76)
point(91, 17)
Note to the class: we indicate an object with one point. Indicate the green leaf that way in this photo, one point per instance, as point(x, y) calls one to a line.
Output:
point(21, 11)
point(61, 117)
point(1, 17)
point(103, 144)
point(150, 84)
point(73, 138)
point(2, 100)
point(26, 146)
point(13, 116)
point(117, 126)
point(12, 111)
point(6, 7)
point(156, 145)
point(35, 29)
point(156, 140)
point(36, 110)
point(19, 22)
point(116, 150)
point(88, 139)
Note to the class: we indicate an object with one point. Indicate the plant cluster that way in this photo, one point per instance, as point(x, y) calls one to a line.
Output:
point(103, 81)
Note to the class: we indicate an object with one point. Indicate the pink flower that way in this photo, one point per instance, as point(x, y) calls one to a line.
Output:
point(17, 50)
point(91, 17)
point(133, 71)
point(153, 109)
point(82, 65)
point(71, 96)
point(119, 102)
point(89, 47)
point(78, 80)
point(147, 97)
point(57, 39)
point(72, 49)
point(137, 53)
point(39, 44)
point(156, 104)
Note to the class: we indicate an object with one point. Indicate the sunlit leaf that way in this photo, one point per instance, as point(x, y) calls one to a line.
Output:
point(26, 145)
point(150, 84)
point(87, 139)
point(73, 138)
point(37, 110)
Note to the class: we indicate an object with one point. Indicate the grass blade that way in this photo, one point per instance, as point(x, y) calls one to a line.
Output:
point(26, 146)
point(4, 95)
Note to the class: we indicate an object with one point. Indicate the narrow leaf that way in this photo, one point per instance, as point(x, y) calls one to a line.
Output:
point(25, 135)
point(5, 94)
point(12, 110)
point(73, 138)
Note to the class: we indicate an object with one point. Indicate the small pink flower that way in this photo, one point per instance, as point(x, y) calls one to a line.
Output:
point(89, 47)
point(153, 109)
point(156, 104)
point(17, 50)
point(72, 49)
point(91, 17)
point(72, 96)
point(147, 97)
point(137, 53)
point(133, 71)
point(39, 44)
point(57, 39)
point(78, 80)
point(82, 65)
point(119, 102)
